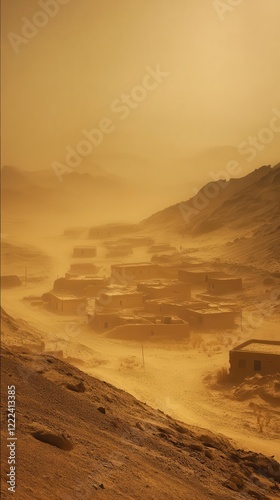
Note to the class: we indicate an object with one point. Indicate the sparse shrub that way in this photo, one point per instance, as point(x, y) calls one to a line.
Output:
point(263, 420)
point(222, 376)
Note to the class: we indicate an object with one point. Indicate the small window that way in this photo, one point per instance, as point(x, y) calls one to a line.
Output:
point(106, 325)
point(257, 365)
point(242, 363)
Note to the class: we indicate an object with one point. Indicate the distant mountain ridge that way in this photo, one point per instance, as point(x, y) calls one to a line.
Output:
point(204, 212)
point(84, 188)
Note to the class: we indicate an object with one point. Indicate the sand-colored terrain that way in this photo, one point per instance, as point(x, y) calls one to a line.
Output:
point(185, 380)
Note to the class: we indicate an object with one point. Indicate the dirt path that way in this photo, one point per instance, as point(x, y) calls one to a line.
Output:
point(172, 379)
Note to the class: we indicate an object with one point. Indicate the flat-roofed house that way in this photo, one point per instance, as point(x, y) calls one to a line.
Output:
point(107, 320)
point(211, 318)
point(118, 299)
point(82, 268)
point(224, 285)
point(155, 289)
point(127, 273)
point(254, 356)
point(110, 230)
point(66, 304)
point(83, 252)
point(197, 276)
point(168, 331)
point(81, 285)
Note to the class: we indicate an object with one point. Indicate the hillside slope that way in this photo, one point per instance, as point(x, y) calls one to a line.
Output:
point(216, 200)
point(243, 217)
point(79, 437)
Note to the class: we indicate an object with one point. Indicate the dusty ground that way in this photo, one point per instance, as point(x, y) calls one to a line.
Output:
point(174, 378)
point(78, 437)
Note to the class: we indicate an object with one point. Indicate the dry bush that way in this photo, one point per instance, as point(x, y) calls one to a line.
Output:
point(222, 376)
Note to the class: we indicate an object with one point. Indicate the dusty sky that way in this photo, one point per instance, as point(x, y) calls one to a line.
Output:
point(223, 82)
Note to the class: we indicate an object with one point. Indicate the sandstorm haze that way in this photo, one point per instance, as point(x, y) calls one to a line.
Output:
point(221, 88)
point(140, 246)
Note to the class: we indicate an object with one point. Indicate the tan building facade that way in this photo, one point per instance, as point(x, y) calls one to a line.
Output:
point(174, 289)
point(110, 230)
point(127, 273)
point(254, 357)
point(152, 332)
point(224, 285)
point(66, 304)
point(81, 285)
point(118, 299)
point(197, 276)
point(83, 252)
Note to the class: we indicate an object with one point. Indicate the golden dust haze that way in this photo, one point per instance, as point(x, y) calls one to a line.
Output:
point(223, 82)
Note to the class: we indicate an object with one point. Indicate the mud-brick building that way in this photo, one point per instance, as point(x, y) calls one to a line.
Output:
point(110, 230)
point(82, 268)
point(81, 285)
point(10, 281)
point(127, 273)
point(118, 299)
point(155, 289)
point(107, 320)
point(212, 319)
point(224, 285)
point(83, 252)
point(198, 277)
point(171, 331)
point(161, 247)
point(254, 356)
point(66, 304)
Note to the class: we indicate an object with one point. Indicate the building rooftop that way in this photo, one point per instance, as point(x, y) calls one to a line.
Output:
point(121, 293)
point(82, 247)
point(208, 310)
point(64, 296)
point(225, 278)
point(135, 264)
point(196, 271)
point(177, 302)
point(260, 346)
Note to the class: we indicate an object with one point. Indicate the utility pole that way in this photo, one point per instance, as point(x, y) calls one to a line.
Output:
point(143, 357)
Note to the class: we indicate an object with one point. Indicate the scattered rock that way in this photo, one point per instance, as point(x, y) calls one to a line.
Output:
point(140, 426)
point(231, 485)
point(195, 447)
point(209, 454)
point(237, 479)
point(58, 440)
point(101, 409)
point(79, 387)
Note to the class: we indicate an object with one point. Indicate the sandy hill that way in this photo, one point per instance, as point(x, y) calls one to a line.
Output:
point(15, 258)
point(191, 216)
point(245, 213)
point(79, 437)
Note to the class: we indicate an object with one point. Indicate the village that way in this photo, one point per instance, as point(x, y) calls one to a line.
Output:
point(166, 298)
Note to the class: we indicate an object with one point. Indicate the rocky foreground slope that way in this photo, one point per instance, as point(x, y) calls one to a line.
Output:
point(81, 438)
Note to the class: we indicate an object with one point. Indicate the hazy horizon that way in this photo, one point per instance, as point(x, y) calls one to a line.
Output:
point(220, 85)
